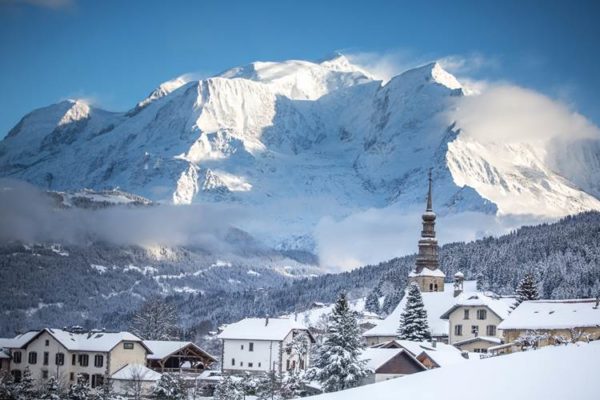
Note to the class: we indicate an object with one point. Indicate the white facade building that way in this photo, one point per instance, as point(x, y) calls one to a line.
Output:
point(66, 354)
point(263, 344)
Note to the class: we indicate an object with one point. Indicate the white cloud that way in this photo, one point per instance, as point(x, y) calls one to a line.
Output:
point(509, 114)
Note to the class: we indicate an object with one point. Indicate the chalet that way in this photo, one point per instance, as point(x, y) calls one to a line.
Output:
point(133, 380)
point(431, 354)
point(176, 356)
point(65, 354)
point(264, 344)
point(551, 322)
point(473, 321)
point(389, 363)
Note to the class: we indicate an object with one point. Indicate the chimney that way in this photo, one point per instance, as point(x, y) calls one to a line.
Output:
point(267, 320)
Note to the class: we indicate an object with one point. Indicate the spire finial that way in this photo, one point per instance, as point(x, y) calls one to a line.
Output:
point(429, 205)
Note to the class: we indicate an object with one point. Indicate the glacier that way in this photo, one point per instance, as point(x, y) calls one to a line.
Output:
point(295, 141)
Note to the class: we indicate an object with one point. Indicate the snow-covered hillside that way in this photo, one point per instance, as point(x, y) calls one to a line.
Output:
point(549, 373)
point(291, 142)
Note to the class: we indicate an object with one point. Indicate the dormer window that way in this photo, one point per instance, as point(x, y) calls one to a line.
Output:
point(128, 346)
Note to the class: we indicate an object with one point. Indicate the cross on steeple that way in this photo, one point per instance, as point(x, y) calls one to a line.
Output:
point(429, 205)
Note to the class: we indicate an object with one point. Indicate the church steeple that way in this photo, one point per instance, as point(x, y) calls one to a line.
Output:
point(427, 273)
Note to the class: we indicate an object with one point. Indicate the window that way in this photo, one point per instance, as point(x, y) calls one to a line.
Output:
point(97, 380)
point(84, 360)
point(72, 376)
point(73, 360)
point(431, 287)
point(233, 361)
point(47, 343)
point(84, 377)
point(481, 314)
point(258, 365)
point(44, 374)
point(294, 364)
point(251, 346)
point(302, 363)
point(435, 287)
point(242, 347)
point(17, 357)
point(466, 316)
point(475, 330)
point(32, 357)
point(241, 363)
point(250, 365)
point(60, 359)
point(287, 365)
point(128, 346)
point(458, 330)
point(98, 360)
point(46, 358)
point(490, 330)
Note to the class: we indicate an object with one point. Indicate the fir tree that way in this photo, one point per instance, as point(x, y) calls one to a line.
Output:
point(51, 389)
point(7, 386)
point(292, 385)
point(526, 290)
point(227, 389)
point(79, 390)
point(25, 389)
point(155, 320)
point(372, 302)
point(337, 365)
point(413, 321)
point(169, 387)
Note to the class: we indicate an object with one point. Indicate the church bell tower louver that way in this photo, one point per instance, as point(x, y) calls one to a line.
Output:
point(427, 273)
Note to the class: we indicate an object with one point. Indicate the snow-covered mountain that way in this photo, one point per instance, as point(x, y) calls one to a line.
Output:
point(291, 142)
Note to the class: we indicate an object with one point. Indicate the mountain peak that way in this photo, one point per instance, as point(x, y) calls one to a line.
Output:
point(432, 72)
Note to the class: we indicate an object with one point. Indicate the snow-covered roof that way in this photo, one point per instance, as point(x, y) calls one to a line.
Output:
point(428, 272)
point(499, 305)
point(553, 314)
point(18, 341)
point(318, 311)
point(260, 329)
point(565, 372)
point(163, 348)
point(136, 371)
point(88, 341)
point(441, 353)
point(377, 357)
point(489, 339)
point(436, 303)
point(4, 354)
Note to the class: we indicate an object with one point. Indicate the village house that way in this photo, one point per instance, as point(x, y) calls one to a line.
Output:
point(474, 319)
point(265, 344)
point(134, 379)
point(389, 363)
point(431, 354)
point(550, 322)
point(65, 354)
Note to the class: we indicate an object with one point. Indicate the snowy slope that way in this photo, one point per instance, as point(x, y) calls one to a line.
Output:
point(321, 139)
point(546, 374)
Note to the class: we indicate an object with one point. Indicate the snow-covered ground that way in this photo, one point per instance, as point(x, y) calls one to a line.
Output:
point(551, 373)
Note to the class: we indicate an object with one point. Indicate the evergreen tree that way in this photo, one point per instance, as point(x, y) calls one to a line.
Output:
point(227, 389)
point(372, 303)
point(169, 387)
point(337, 365)
point(268, 386)
point(526, 290)
point(413, 321)
point(51, 389)
point(155, 320)
point(7, 386)
point(292, 385)
point(80, 390)
point(25, 389)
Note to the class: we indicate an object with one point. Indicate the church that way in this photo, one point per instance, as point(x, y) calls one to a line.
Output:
point(438, 296)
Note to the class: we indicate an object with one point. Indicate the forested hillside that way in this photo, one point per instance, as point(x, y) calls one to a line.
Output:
point(101, 285)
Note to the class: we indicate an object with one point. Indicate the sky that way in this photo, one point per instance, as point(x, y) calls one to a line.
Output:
point(113, 53)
